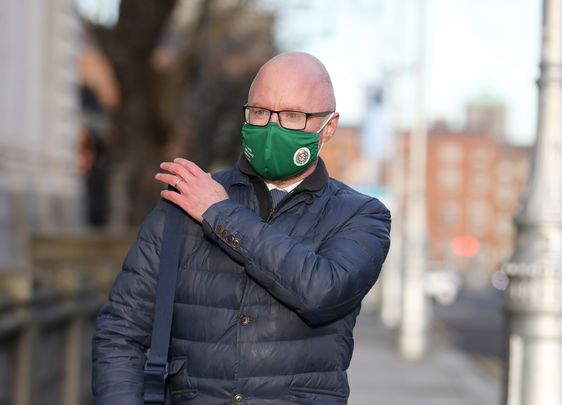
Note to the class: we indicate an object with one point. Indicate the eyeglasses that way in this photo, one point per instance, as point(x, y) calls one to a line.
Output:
point(295, 120)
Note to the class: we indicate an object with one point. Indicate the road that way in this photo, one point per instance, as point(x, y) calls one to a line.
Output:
point(475, 323)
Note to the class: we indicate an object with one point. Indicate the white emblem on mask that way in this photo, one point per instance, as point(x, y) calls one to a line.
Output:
point(301, 157)
point(248, 153)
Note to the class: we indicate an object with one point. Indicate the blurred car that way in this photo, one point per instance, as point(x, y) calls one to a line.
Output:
point(442, 285)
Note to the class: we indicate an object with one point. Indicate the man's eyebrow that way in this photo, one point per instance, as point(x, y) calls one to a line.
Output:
point(292, 109)
point(296, 109)
point(286, 107)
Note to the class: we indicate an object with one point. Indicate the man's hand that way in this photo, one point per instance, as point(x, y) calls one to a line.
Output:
point(197, 191)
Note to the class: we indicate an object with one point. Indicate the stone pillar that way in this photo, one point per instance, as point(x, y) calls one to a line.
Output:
point(534, 295)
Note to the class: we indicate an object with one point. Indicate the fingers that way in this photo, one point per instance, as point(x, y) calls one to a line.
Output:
point(170, 179)
point(190, 166)
point(182, 202)
point(173, 197)
point(178, 170)
point(182, 171)
point(177, 199)
point(197, 189)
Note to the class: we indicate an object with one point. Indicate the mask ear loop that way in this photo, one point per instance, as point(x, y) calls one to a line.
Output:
point(326, 123)
point(322, 128)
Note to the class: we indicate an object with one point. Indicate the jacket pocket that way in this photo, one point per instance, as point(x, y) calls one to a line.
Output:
point(183, 395)
point(179, 384)
point(317, 396)
point(176, 365)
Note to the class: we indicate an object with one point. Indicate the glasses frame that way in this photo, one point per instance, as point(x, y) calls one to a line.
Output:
point(307, 116)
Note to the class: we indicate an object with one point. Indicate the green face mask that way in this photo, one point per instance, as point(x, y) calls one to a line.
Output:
point(277, 153)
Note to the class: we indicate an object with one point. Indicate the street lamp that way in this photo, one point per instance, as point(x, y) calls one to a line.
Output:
point(534, 294)
point(413, 326)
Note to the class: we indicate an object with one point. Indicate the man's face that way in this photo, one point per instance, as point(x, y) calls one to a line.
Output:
point(279, 88)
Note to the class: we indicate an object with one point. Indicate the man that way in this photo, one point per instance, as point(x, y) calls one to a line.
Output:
point(270, 283)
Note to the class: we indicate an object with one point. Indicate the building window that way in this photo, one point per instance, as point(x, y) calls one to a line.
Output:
point(506, 171)
point(506, 197)
point(450, 153)
point(522, 171)
point(480, 180)
point(481, 156)
point(449, 214)
point(505, 229)
point(479, 216)
point(450, 179)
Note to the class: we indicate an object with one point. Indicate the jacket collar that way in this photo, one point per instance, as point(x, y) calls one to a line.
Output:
point(313, 182)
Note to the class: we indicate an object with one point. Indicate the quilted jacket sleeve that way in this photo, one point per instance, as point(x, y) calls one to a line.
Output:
point(320, 286)
point(124, 324)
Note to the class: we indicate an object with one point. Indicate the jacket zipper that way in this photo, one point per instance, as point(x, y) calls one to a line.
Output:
point(276, 209)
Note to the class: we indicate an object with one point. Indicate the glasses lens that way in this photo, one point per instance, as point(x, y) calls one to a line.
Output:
point(292, 119)
point(257, 116)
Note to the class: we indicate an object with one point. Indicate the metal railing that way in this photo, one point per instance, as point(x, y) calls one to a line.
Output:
point(47, 315)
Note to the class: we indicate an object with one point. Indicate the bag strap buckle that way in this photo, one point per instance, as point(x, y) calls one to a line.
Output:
point(155, 375)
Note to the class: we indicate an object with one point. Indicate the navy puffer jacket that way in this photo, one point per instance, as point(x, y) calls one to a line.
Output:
point(265, 303)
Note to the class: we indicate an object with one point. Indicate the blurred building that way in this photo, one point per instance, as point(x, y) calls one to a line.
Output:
point(39, 186)
point(342, 154)
point(474, 184)
point(475, 181)
point(486, 113)
point(347, 161)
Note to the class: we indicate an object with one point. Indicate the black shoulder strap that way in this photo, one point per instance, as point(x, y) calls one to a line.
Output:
point(156, 367)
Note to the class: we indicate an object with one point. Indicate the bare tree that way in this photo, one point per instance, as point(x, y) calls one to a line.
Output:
point(189, 107)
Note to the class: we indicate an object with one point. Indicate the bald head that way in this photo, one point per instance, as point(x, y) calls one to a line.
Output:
point(293, 81)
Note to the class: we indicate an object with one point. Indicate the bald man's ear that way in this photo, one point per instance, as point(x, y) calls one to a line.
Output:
point(330, 129)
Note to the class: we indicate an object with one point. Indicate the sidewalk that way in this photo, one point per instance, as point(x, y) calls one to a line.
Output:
point(445, 376)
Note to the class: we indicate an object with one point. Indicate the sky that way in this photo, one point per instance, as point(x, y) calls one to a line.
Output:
point(474, 49)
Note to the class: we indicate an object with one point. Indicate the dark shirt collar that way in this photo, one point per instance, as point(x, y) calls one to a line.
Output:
point(315, 181)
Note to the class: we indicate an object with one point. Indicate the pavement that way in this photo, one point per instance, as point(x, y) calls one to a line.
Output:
point(446, 375)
